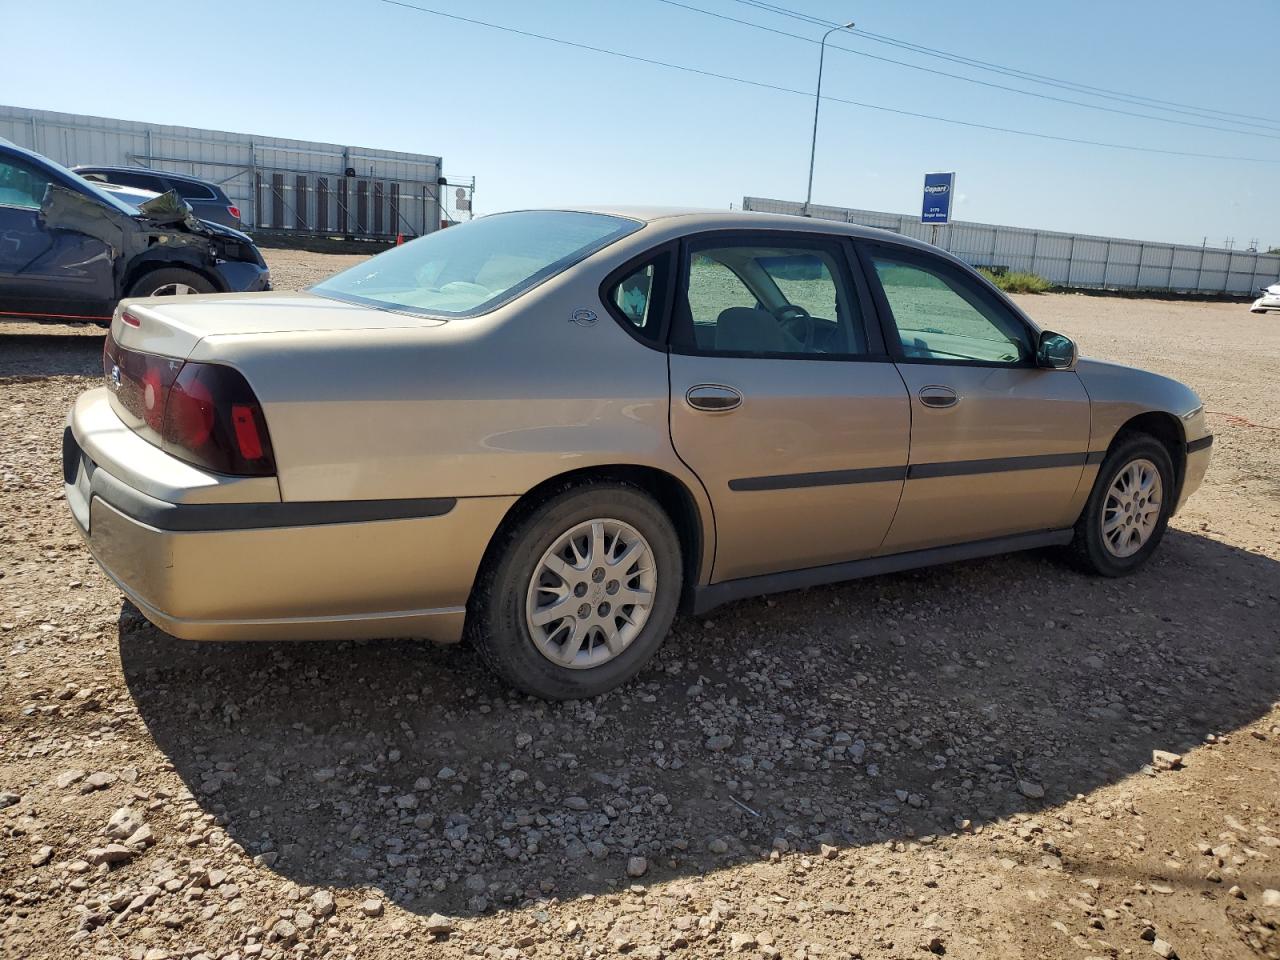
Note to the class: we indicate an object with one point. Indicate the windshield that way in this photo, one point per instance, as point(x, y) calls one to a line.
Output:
point(472, 268)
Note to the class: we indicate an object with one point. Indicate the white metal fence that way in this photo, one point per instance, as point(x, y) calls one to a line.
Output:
point(1069, 259)
point(296, 185)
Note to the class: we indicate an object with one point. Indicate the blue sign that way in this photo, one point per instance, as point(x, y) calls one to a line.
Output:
point(938, 190)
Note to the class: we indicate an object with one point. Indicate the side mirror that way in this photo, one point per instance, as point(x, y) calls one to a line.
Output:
point(1055, 351)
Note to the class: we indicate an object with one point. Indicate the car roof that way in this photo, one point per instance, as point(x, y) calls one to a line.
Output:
point(697, 218)
point(110, 168)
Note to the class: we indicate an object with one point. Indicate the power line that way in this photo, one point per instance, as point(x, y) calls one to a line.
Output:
point(973, 80)
point(1172, 106)
point(635, 58)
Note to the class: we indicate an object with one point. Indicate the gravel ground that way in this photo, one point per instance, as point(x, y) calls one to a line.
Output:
point(1001, 758)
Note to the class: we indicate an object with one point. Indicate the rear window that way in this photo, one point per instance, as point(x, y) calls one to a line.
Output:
point(474, 267)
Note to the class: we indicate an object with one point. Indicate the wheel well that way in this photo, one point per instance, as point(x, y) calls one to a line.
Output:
point(150, 266)
point(672, 495)
point(1168, 430)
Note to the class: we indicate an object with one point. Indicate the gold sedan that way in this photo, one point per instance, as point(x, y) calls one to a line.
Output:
point(551, 430)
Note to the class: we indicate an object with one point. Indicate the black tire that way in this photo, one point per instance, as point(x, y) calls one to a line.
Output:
point(496, 616)
point(1088, 550)
point(147, 284)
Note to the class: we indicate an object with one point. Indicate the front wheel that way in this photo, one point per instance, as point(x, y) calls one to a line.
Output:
point(579, 593)
point(170, 282)
point(1128, 510)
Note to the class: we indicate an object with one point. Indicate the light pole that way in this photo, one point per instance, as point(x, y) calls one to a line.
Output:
point(817, 102)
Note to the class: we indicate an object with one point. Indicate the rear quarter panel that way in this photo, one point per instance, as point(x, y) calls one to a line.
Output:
point(489, 406)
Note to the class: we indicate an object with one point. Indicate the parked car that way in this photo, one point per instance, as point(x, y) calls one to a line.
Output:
point(1269, 299)
point(552, 429)
point(70, 250)
point(209, 201)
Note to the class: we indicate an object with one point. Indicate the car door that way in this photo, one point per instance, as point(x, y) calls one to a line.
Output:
point(998, 444)
point(783, 401)
point(57, 247)
point(23, 238)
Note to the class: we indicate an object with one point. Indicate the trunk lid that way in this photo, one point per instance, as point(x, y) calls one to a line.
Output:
point(172, 326)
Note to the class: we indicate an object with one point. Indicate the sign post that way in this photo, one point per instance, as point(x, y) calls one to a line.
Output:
point(939, 188)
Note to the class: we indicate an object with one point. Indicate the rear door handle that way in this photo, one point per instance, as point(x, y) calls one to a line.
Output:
point(713, 397)
point(937, 396)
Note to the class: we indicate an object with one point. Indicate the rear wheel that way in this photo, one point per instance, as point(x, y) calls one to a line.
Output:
point(579, 593)
point(1128, 510)
point(170, 282)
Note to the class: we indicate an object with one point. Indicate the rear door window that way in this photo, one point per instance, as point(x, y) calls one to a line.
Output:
point(771, 296)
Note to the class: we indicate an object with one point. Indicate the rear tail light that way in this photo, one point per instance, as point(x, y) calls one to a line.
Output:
point(203, 413)
point(234, 211)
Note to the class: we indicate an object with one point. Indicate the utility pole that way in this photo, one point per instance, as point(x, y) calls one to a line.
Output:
point(817, 102)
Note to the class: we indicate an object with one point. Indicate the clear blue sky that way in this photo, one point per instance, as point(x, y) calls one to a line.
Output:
point(538, 123)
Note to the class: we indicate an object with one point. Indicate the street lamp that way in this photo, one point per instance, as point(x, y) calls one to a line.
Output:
point(817, 102)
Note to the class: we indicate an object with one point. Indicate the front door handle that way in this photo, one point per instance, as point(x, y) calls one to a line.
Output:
point(937, 396)
point(713, 397)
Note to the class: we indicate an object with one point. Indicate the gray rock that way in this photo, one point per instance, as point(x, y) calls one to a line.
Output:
point(98, 781)
point(124, 822)
point(322, 903)
point(111, 853)
point(1030, 789)
point(637, 867)
point(371, 908)
point(721, 741)
point(42, 856)
point(438, 923)
point(1163, 948)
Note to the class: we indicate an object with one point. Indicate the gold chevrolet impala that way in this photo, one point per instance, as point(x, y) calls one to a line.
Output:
point(550, 430)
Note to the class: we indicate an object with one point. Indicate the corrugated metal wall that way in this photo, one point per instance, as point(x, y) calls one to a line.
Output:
point(1069, 259)
point(286, 184)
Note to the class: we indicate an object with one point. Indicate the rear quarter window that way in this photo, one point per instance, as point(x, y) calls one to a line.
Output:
point(189, 190)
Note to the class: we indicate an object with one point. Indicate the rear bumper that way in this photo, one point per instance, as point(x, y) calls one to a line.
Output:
point(219, 569)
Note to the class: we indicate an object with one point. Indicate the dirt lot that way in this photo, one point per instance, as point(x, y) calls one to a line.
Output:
point(956, 761)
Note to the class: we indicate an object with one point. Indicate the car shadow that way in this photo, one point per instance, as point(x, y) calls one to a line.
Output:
point(879, 709)
point(68, 352)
